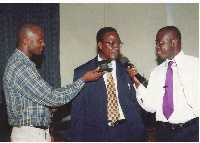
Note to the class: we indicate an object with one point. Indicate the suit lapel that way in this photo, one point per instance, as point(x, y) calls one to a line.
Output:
point(100, 92)
point(121, 80)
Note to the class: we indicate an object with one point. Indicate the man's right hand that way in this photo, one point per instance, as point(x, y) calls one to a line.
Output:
point(92, 75)
point(132, 72)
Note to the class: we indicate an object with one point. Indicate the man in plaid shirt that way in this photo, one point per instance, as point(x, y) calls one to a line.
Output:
point(28, 96)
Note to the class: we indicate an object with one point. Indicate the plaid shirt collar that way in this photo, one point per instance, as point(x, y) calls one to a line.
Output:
point(21, 55)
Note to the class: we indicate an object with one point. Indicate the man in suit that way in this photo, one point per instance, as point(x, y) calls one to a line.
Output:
point(90, 109)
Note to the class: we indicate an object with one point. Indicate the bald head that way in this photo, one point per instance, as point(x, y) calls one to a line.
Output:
point(26, 31)
point(30, 39)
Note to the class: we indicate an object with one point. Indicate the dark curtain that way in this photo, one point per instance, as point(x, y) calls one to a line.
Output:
point(48, 64)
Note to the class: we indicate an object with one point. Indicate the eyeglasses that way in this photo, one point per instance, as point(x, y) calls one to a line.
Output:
point(114, 44)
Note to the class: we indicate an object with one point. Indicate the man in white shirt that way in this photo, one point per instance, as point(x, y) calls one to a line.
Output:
point(182, 123)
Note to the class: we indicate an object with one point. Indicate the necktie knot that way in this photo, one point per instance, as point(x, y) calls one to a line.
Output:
point(170, 63)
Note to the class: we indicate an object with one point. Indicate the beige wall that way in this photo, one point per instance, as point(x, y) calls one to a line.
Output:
point(137, 25)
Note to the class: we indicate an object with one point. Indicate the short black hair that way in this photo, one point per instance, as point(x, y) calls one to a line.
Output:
point(102, 32)
point(174, 30)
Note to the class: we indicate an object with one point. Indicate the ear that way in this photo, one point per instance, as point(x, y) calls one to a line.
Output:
point(174, 42)
point(99, 45)
point(26, 41)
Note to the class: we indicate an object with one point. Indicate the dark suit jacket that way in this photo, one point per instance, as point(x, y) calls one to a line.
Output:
point(89, 108)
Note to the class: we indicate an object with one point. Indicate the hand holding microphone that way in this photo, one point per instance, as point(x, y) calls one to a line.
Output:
point(132, 73)
point(135, 76)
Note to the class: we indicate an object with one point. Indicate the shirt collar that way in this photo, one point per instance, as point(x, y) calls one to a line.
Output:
point(25, 57)
point(113, 62)
point(178, 59)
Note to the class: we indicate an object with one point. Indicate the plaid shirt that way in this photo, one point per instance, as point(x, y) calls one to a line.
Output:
point(28, 96)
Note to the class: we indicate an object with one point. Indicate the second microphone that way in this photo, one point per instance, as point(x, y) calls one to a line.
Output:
point(125, 62)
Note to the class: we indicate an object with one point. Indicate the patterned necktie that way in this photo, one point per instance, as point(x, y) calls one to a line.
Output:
point(112, 109)
point(168, 107)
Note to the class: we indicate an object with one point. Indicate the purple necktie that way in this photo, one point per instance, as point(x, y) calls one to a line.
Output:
point(168, 107)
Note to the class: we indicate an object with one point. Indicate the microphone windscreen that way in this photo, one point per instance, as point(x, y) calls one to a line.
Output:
point(123, 60)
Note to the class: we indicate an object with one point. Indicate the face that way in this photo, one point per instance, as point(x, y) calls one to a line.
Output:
point(36, 43)
point(109, 48)
point(165, 46)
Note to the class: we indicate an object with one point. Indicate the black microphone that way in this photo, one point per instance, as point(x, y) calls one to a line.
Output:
point(125, 62)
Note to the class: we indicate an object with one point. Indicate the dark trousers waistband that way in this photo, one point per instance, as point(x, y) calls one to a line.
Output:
point(180, 125)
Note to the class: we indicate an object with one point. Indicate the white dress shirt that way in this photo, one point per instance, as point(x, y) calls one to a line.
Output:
point(185, 90)
point(113, 63)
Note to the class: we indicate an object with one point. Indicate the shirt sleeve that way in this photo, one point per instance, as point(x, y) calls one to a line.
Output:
point(31, 85)
point(145, 97)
